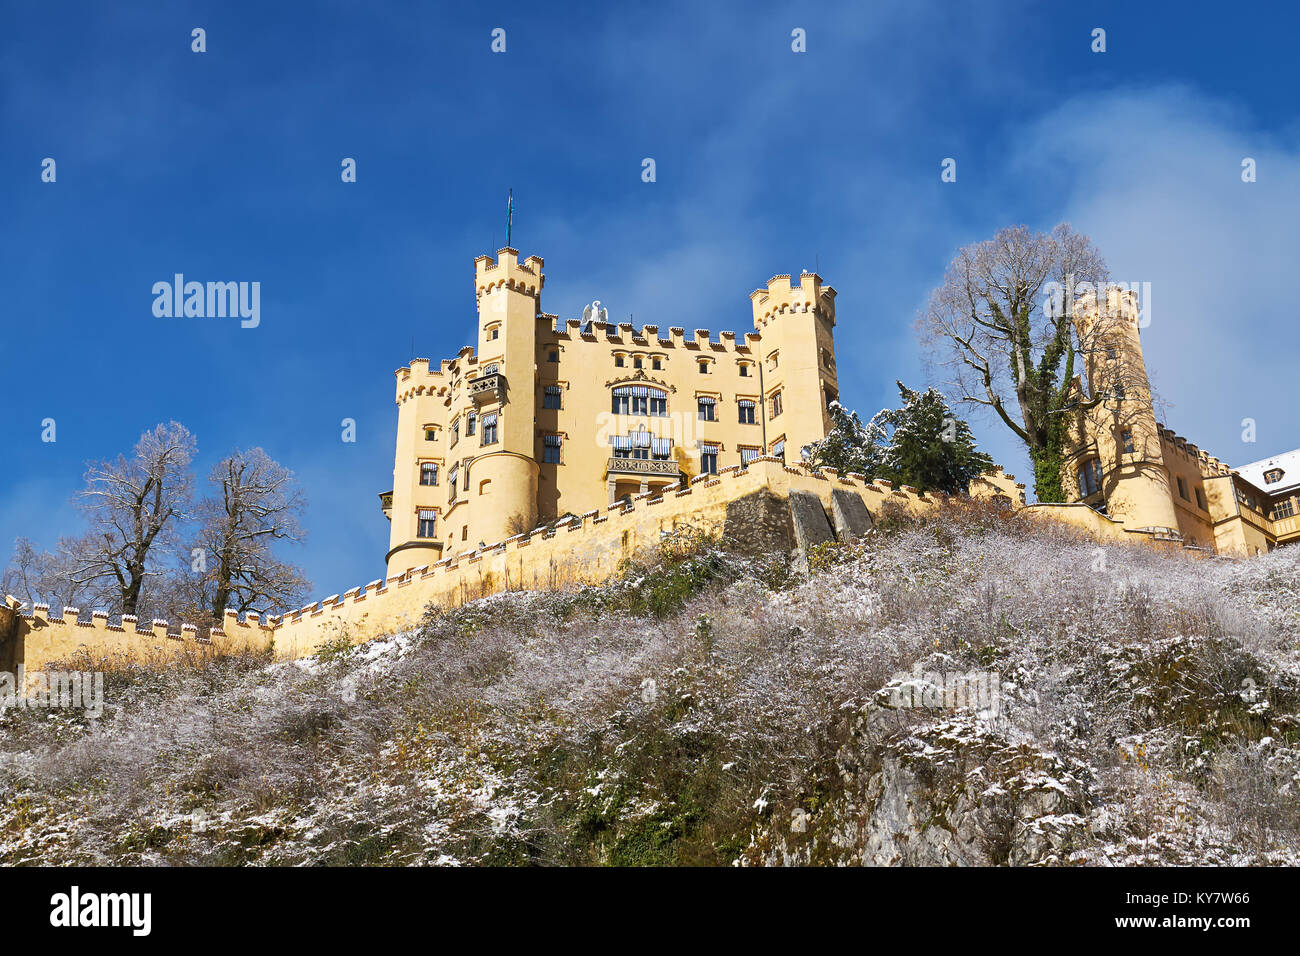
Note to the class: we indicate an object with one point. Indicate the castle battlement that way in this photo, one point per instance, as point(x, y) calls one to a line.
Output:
point(586, 548)
point(781, 297)
point(650, 336)
point(506, 270)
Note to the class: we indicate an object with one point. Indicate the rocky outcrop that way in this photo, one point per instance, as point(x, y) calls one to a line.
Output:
point(955, 793)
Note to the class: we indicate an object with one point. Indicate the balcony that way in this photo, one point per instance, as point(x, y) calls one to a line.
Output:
point(487, 389)
point(651, 467)
point(386, 503)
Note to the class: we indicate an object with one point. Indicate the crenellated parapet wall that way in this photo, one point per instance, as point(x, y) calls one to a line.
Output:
point(586, 549)
point(782, 297)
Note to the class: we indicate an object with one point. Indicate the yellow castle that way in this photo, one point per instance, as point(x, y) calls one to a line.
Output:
point(555, 451)
point(548, 418)
point(1126, 465)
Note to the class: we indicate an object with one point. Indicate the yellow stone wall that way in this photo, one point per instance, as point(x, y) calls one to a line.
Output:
point(587, 549)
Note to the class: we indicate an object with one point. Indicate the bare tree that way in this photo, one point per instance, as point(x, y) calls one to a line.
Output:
point(1002, 324)
point(36, 576)
point(133, 506)
point(256, 503)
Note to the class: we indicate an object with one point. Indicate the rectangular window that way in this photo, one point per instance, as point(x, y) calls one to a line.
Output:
point(658, 404)
point(455, 432)
point(1284, 509)
point(776, 405)
point(744, 371)
point(490, 429)
point(1126, 441)
point(640, 404)
point(620, 403)
point(618, 361)
point(656, 364)
point(1119, 393)
point(708, 459)
point(746, 408)
point(553, 397)
point(428, 473)
point(552, 356)
point(778, 448)
point(431, 434)
point(1089, 478)
point(451, 480)
point(1200, 500)
point(1182, 489)
point(661, 449)
point(551, 446)
point(427, 523)
point(705, 405)
point(749, 454)
point(636, 362)
point(470, 421)
point(704, 368)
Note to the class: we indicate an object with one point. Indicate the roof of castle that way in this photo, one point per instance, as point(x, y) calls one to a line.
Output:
point(1289, 464)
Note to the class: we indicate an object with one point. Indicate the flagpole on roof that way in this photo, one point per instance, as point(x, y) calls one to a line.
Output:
point(510, 215)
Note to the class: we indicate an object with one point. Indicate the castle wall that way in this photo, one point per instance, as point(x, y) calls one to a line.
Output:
point(749, 505)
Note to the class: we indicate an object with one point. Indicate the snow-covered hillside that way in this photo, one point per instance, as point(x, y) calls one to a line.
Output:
point(719, 709)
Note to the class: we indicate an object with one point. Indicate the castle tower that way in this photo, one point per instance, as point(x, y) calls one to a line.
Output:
point(1118, 458)
point(501, 481)
point(797, 364)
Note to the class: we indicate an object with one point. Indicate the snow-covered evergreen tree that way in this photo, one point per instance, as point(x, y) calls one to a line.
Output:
point(929, 447)
point(849, 445)
point(922, 444)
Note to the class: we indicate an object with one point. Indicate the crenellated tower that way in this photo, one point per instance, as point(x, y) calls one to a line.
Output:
point(1118, 458)
point(501, 480)
point(797, 363)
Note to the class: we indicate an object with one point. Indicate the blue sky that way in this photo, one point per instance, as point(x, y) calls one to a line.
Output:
point(225, 166)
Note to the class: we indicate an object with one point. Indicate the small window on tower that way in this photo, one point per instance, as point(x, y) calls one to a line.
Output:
point(1126, 441)
point(636, 362)
point(657, 364)
point(704, 368)
point(618, 361)
point(553, 355)
point(1089, 478)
